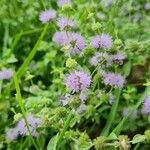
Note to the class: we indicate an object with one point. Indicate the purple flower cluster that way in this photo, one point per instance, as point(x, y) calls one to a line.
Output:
point(74, 43)
point(98, 57)
point(78, 81)
point(146, 105)
point(74, 40)
point(6, 74)
point(11, 134)
point(101, 41)
point(64, 23)
point(119, 57)
point(21, 128)
point(112, 79)
point(47, 15)
point(116, 58)
point(63, 2)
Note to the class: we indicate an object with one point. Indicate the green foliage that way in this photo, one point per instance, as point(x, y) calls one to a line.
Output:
point(26, 46)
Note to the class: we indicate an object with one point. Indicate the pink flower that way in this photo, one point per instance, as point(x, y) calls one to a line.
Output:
point(74, 40)
point(64, 23)
point(102, 41)
point(6, 74)
point(78, 81)
point(11, 134)
point(47, 15)
point(114, 80)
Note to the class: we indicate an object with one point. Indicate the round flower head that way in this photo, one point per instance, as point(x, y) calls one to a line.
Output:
point(11, 134)
point(63, 2)
point(116, 58)
point(47, 15)
point(114, 80)
point(94, 61)
point(119, 57)
point(64, 23)
point(103, 41)
point(33, 122)
point(21, 127)
point(61, 38)
point(74, 41)
point(6, 74)
point(146, 105)
point(98, 57)
point(78, 81)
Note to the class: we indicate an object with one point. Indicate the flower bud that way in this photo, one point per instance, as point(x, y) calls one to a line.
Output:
point(71, 63)
point(17, 117)
point(124, 142)
point(66, 7)
point(96, 26)
point(90, 15)
point(117, 42)
point(99, 143)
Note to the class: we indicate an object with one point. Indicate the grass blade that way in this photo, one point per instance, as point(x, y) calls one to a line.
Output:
point(67, 123)
point(23, 67)
point(112, 114)
point(20, 101)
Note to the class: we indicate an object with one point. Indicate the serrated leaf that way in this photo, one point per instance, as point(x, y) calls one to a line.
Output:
point(85, 146)
point(112, 136)
point(138, 138)
point(52, 143)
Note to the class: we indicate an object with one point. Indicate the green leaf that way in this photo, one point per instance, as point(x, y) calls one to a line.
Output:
point(112, 136)
point(31, 55)
point(52, 143)
point(138, 138)
point(21, 104)
point(84, 146)
point(112, 114)
point(127, 68)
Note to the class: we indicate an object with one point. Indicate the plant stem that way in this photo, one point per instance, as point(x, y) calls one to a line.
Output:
point(112, 114)
point(23, 67)
point(20, 101)
point(67, 123)
point(6, 36)
point(137, 146)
